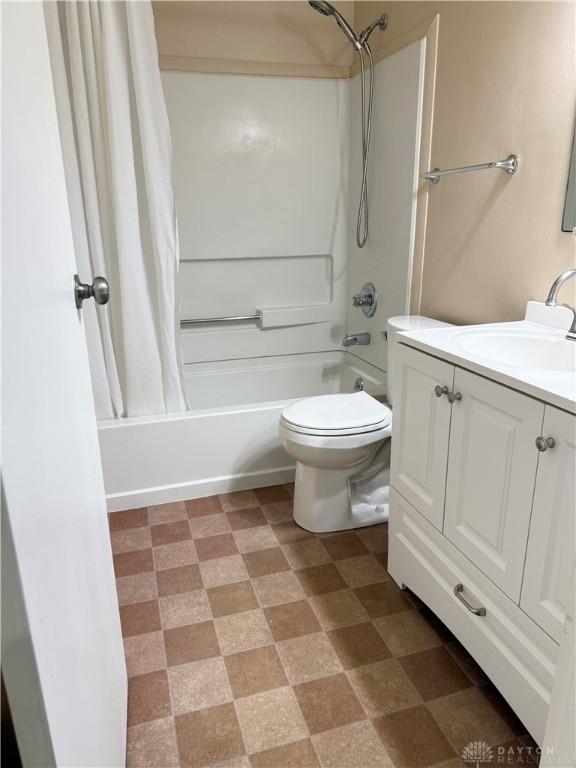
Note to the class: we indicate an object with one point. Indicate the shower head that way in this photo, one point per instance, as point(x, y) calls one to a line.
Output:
point(326, 9)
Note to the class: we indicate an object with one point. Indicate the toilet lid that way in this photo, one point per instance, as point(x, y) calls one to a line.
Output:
point(353, 411)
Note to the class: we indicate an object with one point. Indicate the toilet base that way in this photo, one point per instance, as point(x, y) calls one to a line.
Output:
point(327, 500)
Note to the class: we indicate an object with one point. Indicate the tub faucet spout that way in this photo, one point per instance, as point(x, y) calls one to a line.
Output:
point(356, 339)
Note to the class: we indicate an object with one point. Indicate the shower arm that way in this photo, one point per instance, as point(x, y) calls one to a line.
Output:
point(381, 23)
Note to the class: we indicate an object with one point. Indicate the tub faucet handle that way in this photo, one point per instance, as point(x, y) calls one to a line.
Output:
point(362, 300)
point(367, 299)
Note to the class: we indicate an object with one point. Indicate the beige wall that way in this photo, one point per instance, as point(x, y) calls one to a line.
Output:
point(273, 37)
point(505, 83)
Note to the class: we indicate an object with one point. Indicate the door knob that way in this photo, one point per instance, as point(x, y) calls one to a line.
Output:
point(439, 391)
point(543, 443)
point(99, 290)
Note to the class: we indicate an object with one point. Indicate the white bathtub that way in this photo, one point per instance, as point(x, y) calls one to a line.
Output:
point(228, 441)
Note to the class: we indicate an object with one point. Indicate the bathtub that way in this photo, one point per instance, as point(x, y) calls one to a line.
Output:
point(229, 440)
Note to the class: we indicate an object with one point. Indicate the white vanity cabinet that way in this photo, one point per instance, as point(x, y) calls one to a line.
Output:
point(491, 473)
point(550, 555)
point(482, 519)
point(420, 454)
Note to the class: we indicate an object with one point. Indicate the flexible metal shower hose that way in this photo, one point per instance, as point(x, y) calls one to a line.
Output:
point(362, 220)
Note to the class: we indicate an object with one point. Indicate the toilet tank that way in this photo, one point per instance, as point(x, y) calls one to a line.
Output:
point(394, 326)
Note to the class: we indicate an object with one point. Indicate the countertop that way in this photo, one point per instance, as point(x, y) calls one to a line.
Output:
point(557, 387)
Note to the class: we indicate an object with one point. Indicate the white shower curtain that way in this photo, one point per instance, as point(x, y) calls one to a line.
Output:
point(118, 158)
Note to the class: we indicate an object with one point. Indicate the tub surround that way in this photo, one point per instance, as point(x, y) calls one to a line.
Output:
point(260, 168)
point(278, 160)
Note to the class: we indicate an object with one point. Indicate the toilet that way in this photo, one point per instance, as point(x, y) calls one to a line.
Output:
point(341, 444)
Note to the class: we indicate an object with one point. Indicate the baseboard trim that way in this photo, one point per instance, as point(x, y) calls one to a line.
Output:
point(147, 497)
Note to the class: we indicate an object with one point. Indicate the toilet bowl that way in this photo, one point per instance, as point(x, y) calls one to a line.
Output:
point(333, 438)
point(341, 444)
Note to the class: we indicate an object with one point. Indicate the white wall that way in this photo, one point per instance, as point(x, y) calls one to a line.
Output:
point(260, 173)
point(386, 258)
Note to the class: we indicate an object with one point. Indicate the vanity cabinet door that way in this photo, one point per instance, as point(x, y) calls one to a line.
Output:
point(421, 426)
point(491, 476)
point(550, 556)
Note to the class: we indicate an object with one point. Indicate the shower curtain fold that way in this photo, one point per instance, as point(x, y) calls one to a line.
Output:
point(118, 162)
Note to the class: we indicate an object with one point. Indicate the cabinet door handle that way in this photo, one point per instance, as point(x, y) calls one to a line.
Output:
point(454, 397)
point(439, 391)
point(543, 443)
point(458, 589)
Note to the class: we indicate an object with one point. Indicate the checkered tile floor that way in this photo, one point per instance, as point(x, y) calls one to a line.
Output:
point(251, 642)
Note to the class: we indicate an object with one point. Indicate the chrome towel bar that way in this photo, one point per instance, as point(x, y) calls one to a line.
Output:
point(510, 165)
point(226, 319)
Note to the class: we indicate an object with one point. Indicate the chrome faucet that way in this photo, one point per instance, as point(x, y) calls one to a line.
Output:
point(556, 285)
point(356, 339)
point(553, 294)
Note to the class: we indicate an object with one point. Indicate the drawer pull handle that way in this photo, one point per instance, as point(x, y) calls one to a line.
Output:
point(439, 391)
point(454, 397)
point(458, 589)
point(543, 443)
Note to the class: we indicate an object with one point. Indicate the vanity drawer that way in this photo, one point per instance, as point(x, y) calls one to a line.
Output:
point(513, 651)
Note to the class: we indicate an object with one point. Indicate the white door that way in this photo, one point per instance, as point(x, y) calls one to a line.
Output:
point(491, 474)
point(421, 428)
point(62, 661)
point(550, 556)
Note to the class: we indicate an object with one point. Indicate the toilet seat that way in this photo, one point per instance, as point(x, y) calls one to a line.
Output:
point(340, 442)
point(334, 433)
point(337, 415)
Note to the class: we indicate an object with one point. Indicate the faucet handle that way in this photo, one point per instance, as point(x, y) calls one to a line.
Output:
point(571, 335)
point(367, 299)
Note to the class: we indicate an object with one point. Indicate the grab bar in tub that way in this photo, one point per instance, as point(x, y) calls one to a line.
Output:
point(227, 319)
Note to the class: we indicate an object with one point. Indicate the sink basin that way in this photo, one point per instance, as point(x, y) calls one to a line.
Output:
point(526, 350)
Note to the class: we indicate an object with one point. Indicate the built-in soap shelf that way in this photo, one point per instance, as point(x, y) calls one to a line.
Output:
point(278, 317)
point(268, 317)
